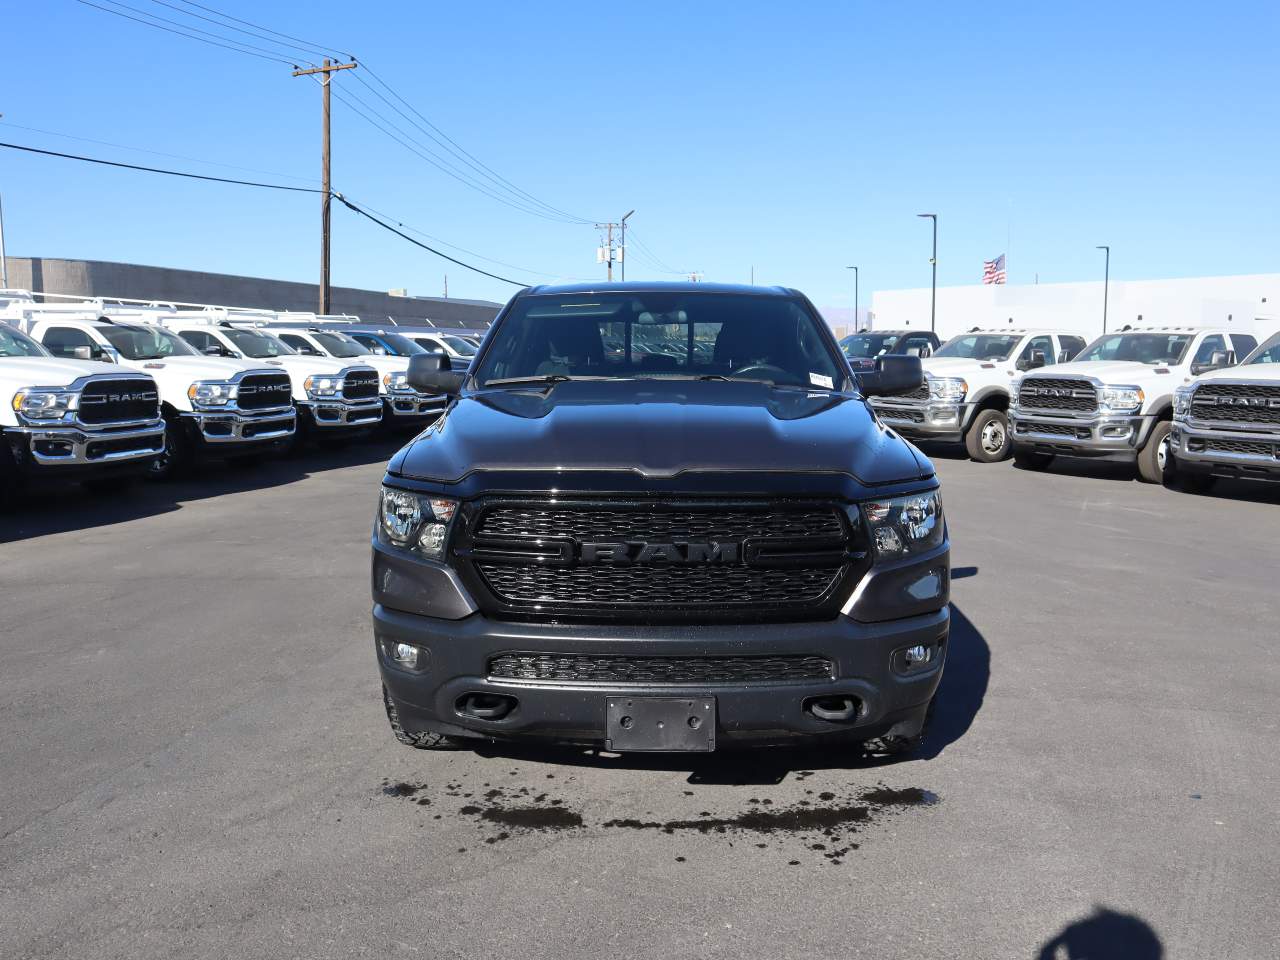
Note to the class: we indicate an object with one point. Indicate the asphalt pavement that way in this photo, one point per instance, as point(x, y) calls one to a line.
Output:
point(196, 763)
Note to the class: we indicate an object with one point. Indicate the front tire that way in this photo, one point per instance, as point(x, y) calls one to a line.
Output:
point(420, 740)
point(988, 438)
point(175, 459)
point(1031, 459)
point(1155, 458)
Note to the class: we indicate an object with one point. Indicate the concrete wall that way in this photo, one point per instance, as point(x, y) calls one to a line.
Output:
point(96, 278)
point(1250, 303)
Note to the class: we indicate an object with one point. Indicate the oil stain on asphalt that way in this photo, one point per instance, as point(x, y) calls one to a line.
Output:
point(823, 825)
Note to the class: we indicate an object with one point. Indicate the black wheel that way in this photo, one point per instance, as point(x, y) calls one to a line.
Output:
point(176, 458)
point(988, 438)
point(1155, 458)
point(422, 740)
point(10, 477)
point(1031, 459)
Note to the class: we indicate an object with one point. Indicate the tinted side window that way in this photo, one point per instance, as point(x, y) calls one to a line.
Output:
point(62, 341)
point(1071, 346)
point(365, 340)
point(1043, 344)
point(197, 338)
point(1243, 344)
point(1208, 347)
point(301, 344)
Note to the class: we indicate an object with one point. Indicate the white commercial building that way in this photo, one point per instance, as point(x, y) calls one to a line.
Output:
point(1249, 303)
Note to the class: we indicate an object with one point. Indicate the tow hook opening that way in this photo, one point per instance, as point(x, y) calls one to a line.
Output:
point(485, 706)
point(832, 709)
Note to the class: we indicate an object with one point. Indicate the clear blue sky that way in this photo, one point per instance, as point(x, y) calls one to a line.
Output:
point(797, 138)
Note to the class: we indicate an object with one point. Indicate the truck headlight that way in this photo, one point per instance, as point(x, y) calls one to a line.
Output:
point(948, 388)
point(322, 385)
point(45, 404)
point(1121, 399)
point(396, 382)
point(1182, 402)
point(903, 526)
point(415, 521)
point(211, 393)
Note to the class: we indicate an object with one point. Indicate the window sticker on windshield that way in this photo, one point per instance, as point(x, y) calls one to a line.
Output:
point(818, 380)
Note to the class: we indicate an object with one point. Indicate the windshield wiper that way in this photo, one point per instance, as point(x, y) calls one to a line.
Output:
point(545, 378)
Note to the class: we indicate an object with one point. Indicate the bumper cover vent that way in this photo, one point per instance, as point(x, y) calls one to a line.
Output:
point(657, 671)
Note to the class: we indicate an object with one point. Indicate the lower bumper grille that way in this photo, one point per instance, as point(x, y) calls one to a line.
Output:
point(1255, 448)
point(1054, 429)
point(899, 413)
point(657, 671)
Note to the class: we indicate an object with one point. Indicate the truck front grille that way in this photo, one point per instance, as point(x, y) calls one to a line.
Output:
point(649, 562)
point(1242, 403)
point(920, 393)
point(260, 391)
point(1053, 393)
point(360, 385)
point(657, 671)
point(119, 401)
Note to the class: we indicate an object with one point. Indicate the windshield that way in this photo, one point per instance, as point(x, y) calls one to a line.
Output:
point(1269, 352)
point(980, 346)
point(458, 345)
point(15, 344)
point(145, 343)
point(1138, 347)
point(654, 335)
point(259, 346)
point(859, 346)
point(339, 345)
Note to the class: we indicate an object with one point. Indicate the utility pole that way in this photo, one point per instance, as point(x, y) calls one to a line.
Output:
point(622, 246)
point(605, 254)
point(4, 269)
point(446, 286)
point(1106, 284)
point(326, 194)
point(933, 297)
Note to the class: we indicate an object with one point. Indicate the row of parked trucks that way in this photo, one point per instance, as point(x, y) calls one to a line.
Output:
point(1184, 404)
point(98, 389)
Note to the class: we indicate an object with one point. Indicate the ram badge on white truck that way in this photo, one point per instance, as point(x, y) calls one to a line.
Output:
point(966, 393)
point(402, 403)
point(64, 418)
point(1115, 401)
point(333, 397)
point(1226, 423)
point(213, 406)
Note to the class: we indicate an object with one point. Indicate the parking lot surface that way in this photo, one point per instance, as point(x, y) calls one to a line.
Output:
point(196, 762)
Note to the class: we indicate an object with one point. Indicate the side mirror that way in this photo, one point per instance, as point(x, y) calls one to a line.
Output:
point(926, 350)
point(1218, 360)
point(433, 373)
point(914, 352)
point(892, 375)
point(213, 350)
point(1064, 355)
point(379, 351)
point(1037, 360)
point(82, 353)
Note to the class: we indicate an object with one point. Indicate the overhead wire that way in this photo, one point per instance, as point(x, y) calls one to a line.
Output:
point(238, 48)
point(249, 33)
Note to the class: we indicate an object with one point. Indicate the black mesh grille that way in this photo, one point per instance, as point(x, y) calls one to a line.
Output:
point(899, 413)
point(259, 391)
point(1256, 447)
point(657, 671)
point(1253, 403)
point(1044, 393)
point(1054, 429)
point(118, 401)
point(360, 385)
point(765, 558)
point(919, 393)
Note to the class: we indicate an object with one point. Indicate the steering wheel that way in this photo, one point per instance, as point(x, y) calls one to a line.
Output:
point(764, 371)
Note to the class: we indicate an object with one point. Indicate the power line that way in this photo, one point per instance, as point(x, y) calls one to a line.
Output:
point(170, 173)
point(227, 26)
point(258, 26)
point(182, 33)
point(649, 255)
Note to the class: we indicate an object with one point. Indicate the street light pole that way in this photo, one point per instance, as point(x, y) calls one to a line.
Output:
point(933, 296)
point(1106, 285)
point(622, 246)
point(855, 298)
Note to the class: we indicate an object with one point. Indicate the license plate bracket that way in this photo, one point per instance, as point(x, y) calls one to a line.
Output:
point(670, 724)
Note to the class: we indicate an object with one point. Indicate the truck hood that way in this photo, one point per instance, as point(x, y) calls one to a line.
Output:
point(1259, 372)
point(1114, 372)
point(200, 368)
point(55, 371)
point(383, 364)
point(658, 431)
point(962, 367)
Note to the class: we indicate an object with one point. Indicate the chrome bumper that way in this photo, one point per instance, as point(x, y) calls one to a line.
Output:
point(238, 426)
point(935, 420)
point(329, 414)
point(413, 405)
point(1116, 436)
point(79, 446)
point(1257, 449)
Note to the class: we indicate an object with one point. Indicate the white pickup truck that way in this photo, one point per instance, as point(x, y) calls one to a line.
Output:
point(402, 404)
point(967, 387)
point(213, 406)
point(334, 398)
point(72, 418)
point(1226, 423)
point(1115, 401)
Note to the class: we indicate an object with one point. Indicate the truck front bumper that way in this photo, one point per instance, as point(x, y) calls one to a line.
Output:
point(407, 407)
point(1245, 454)
point(342, 414)
point(66, 447)
point(1102, 437)
point(935, 420)
point(239, 427)
point(456, 663)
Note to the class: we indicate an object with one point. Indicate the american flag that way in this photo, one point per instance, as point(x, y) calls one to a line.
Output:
point(993, 270)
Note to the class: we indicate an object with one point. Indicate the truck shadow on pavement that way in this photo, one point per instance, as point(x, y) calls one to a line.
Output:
point(1104, 935)
point(960, 697)
point(63, 506)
